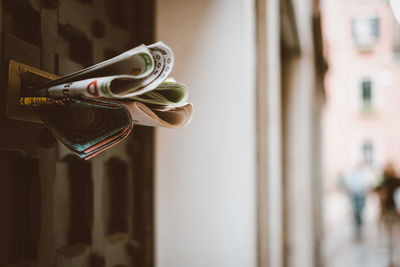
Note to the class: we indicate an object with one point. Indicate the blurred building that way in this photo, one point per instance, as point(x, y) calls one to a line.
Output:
point(240, 186)
point(362, 41)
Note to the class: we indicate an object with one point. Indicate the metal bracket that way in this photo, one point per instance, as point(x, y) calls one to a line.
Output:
point(20, 78)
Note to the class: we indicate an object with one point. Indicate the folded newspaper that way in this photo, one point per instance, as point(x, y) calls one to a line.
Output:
point(95, 108)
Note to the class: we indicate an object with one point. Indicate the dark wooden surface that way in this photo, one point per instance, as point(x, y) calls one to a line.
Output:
point(55, 209)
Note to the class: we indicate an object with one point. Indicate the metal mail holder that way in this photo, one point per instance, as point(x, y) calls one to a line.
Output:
point(21, 77)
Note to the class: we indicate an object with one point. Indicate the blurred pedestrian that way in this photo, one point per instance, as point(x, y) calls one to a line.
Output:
point(387, 189)
point(357, 185)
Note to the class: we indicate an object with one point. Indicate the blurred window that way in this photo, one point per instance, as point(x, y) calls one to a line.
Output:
point(366, 32)
point(396, 40)
point(366, 94)
point(367, 150)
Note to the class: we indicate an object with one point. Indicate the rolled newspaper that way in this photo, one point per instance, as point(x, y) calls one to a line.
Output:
point(140, 70)
point(168, 93)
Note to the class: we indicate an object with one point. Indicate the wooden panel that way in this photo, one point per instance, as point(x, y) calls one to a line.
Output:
point(20, 208)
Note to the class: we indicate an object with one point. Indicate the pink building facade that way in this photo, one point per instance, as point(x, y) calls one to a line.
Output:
point(362, 111)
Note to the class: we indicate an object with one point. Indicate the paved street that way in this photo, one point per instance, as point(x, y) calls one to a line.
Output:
point(341, 247)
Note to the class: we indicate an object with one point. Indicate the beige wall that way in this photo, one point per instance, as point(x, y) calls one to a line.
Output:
point(299, 155)
point(269, 142)
point(205, 173)
point(301, 148)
